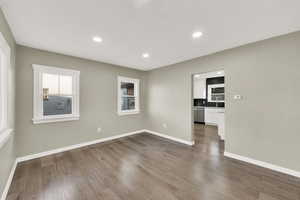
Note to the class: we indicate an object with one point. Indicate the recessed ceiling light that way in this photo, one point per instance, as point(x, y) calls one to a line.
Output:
point(145, 55)
point(97, 39)
point(197, 34)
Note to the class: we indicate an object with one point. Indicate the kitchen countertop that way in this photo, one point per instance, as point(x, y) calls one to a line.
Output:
point(209, 107)
point(214, 107)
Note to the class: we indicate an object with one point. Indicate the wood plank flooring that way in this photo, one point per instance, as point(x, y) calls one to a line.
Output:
point(146, 167)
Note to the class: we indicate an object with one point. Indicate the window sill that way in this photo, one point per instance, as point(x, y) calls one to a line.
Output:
point(4, 136)
point(128, 112)
point(54, 119)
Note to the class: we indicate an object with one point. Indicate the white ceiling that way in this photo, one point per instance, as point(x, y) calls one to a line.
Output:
point(163, 28)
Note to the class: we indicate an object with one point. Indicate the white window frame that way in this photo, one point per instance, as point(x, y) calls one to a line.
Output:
point(136, 83)
point(38, 116)
point(5, 54)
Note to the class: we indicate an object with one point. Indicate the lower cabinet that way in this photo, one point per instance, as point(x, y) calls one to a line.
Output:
point(216, 117)
point(221, 126)
point(212, 115)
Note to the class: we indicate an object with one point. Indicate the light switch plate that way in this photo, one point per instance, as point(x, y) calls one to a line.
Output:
point(237, 97)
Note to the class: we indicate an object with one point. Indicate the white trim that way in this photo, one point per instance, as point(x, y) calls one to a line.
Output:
point(4, 78)
point(75, 146)
point(211, 124)
point(136, 83)
point(54, 70)
point(128, 112)
point(263, 164)
point(67, 148)
point(56, 119)
point(190, 143)
point(38, 116)
point(4, 136)
point(9, 180)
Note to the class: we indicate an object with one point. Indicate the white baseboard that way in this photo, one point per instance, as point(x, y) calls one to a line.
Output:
point(75, 146)
point(190, 143)
point(263, 164)
point(9, 180)
point(67, 148)
point(211, 124)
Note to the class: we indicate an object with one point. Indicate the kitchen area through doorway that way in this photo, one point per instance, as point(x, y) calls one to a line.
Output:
point(209, 101)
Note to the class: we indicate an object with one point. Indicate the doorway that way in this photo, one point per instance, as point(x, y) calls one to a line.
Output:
point(208, 102)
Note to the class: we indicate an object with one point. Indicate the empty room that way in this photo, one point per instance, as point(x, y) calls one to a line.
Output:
point(149, 100)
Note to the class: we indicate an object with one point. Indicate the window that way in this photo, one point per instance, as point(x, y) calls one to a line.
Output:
point(56, 94)
point(128, 96)
point(4, 66)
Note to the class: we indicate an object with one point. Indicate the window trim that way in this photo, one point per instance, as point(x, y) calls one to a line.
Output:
point(136, 83)
point(5, 51)
point(38, 116)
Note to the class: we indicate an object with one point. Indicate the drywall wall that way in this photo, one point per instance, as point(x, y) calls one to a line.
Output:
point(264, 125)
point(98, 103)
point(8, 152)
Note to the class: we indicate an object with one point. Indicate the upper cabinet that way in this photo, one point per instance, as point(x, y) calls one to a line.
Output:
point(199, 88)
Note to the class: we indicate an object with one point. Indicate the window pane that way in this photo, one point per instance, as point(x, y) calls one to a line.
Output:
point(127, 88)
point(128, 103)
point(57, 94)
point(65, 87)
point(50, 83)
point(57, 105)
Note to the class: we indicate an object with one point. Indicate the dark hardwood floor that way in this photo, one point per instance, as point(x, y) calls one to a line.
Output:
point(151, 168)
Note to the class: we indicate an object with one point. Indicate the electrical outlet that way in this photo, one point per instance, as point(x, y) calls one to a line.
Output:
point(165, 125)
point(99, 130)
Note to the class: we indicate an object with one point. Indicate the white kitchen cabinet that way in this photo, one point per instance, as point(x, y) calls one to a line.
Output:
point(216, 116)
point(199, 88)
point(221, 125)
point(212, 115)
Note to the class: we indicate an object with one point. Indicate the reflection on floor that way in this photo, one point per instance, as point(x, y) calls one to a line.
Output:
point(206, 138)
point(148, 167)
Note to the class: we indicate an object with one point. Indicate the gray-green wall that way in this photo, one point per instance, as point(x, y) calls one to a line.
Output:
point(8, 151)
point(98, 103)
point(264, 125)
